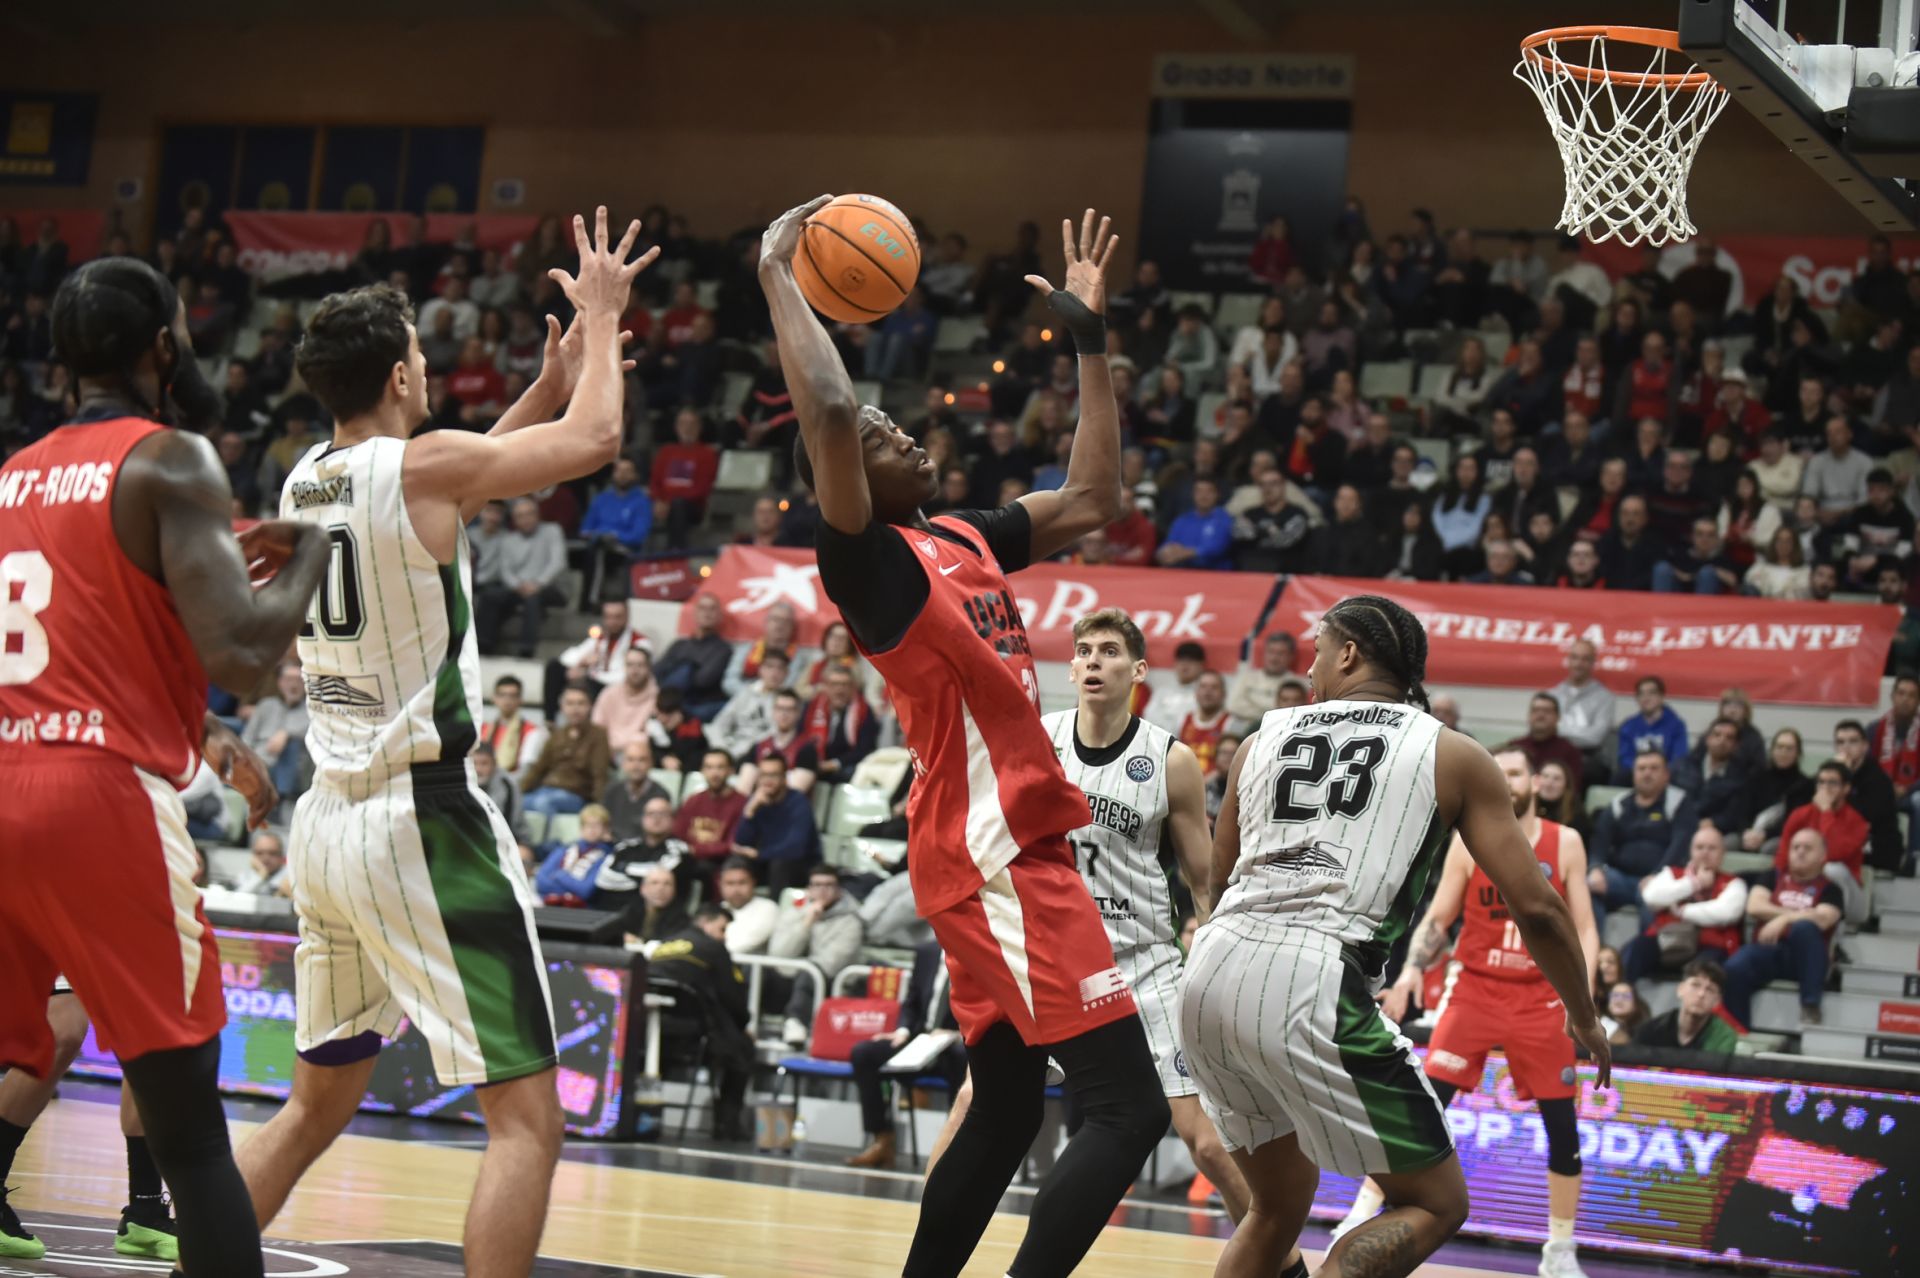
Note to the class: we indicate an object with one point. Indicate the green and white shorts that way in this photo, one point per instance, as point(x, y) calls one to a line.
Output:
point(1282, 1035)
point(412, 903)
point(1152, 972)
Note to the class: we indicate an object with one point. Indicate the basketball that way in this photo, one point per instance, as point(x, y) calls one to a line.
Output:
point(858, 259)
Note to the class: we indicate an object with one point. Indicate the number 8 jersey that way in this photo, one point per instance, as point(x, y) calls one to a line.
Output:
point(1339, 828)
point(388, 649)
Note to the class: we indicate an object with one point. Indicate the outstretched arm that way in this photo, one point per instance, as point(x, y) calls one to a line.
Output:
point(1493, 836)
point(1187, 826)
point(560, 369)
point(823, 397)
point(1091, 497)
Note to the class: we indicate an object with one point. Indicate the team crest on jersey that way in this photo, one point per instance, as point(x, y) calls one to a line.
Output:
point(1139, 769)
point(1546, 869)
point(1180, 1063)
point(1315, 858)
point(926, 548)
point(353, 696)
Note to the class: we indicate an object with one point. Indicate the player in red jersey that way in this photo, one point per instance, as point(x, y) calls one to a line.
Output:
point(1497, 997)
point(122, 592)
point(928, 603)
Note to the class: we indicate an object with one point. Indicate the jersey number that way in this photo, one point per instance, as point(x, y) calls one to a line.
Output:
point(1309, 759)
point(336, 604)
point(26, 588)
point(1087, 853)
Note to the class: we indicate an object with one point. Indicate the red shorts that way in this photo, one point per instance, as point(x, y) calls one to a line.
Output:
point(1525, 1019)
point(1029, 948)
point(99, 870)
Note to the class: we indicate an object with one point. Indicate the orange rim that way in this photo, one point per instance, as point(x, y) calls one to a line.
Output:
point(1653, 37)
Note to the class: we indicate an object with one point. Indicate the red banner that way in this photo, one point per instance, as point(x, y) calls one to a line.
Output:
point(1822, 265)
point(277, 244)
point(1822, 654)
point(1172, 606)
point(83, 231)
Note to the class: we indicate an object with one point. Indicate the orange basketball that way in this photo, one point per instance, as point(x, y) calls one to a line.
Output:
point(857, 260)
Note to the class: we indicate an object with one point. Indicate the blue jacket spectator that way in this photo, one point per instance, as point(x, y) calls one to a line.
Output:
point(777, 830)
point(1656, 727)
point(584, 869)
point(622, 511)
point(1639, 832)
point(1718, 782)
point(1203, 537)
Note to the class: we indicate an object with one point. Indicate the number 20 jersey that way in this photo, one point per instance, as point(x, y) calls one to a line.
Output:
point(1339, 827)
point(388, 649)
point(1119, 852)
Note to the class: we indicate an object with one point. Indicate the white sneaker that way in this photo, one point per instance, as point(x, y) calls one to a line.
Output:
point(1347, 1225)
point(1559, 1260)
point(793, 1033)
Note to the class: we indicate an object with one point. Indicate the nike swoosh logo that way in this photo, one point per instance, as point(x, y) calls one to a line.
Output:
point(949, 570)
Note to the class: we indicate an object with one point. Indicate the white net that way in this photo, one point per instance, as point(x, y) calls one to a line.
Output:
point(1627, 138)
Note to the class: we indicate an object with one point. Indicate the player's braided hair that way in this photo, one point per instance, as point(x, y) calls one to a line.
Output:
point(105, 316)
point(1388, 636)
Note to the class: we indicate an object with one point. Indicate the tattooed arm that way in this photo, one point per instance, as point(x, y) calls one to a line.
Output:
point(1430, 937)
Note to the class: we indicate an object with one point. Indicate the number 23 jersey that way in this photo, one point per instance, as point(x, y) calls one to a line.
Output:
point(1339, 824)
point(1119, 852)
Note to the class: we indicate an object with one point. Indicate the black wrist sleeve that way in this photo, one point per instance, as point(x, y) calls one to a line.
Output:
point(1089, 330)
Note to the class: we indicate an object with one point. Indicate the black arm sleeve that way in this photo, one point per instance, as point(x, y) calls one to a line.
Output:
point(1008, 532)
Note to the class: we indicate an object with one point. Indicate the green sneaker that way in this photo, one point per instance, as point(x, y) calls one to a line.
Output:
point(15, 1242)
point(147, 1229)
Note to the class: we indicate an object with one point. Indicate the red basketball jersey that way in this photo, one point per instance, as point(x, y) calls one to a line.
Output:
point(986, 780)
point(1489, 942)
point(92, 653)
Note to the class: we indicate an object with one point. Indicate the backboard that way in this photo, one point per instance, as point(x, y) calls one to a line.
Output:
point(1849, 109)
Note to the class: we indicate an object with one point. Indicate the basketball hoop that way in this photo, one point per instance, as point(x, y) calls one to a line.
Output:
point(1627, 137)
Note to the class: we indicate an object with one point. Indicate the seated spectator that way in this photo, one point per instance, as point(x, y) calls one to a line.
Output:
point(1349, 545)
point(572, 768)
point(1794, 912)
point(710, 817)
point(1843, 834)
point(532, 557)
point(1503, 567)
point(1693, 1024)
point(266, 875)
point(1459, 515)
point(1876, 533)
point(779, 635)
point(1871, 793)
point(653, 844)
point(1640, 832)
point(1781, 571)
point(696, 664)
point(581, 872)
point(1623, 1011)
point(1295, 691)
point(1203, 536)
point(1201, 728)
point(1543, 744)
point(1700, 910)
point(747, 717)
point(1717, 779)
point(514, 739)
point(1586, 711)
point(776, 829)
point(277, 731)
point(679, 741)
point(1169, 706)
point(1416, 553)
point(826, 930)
point(598, 661)
point(697, 957)
point(1700, 568)
point(628, 794)
point(754, 916)
point(657, 912)
point(870, 1058)
point(1275, 536)
point(1656, 727)
point(1630, 551)
point(1559, 801)
point(1776, 791)
point(1893, 742)
point(1254, 688)
point(1837, 478)
point(453, 300)
point(504, 791)
point(625, 709)
point(299, 434)
point(1649, 387)
point(1456, 407)
point(842, 725)
point(619, 521)
point(1778, 468)
point(801, 752)
point(1193, 348)
point(899, 344)
point(477, 384)
point(1735, 410)
point(683, 476)
point(836, 649)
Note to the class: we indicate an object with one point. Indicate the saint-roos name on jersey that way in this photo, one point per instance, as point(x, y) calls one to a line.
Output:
point(996, 618)
point(1391, 716)
point(337, 491)
point(1116, 816)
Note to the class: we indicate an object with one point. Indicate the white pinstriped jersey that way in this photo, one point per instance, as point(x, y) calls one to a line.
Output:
point(388, 650)
point(1120, 853)
point(1339, 825)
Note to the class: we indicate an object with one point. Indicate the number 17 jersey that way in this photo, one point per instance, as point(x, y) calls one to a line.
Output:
point(1120, 852)
point(1339, 823)
point(388, 649)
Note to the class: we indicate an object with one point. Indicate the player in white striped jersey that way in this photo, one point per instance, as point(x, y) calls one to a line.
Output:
point(1148, 801)
point(1334, 817)
point(411, 899)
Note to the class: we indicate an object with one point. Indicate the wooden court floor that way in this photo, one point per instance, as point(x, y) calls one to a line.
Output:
point(370, 1188)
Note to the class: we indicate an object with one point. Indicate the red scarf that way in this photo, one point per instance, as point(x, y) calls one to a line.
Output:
point(817, 673)
point(818, 723)
point(750, 668)
point(790, 751)
point(1899, 757)
point(1203, 737)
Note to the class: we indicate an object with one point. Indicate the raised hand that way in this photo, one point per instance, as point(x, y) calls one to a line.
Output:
point(605, 281)
point(782, 237)
point(1086, 277)
point(566, 353)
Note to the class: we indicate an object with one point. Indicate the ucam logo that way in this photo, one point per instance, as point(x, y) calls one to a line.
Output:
point(884, 238)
